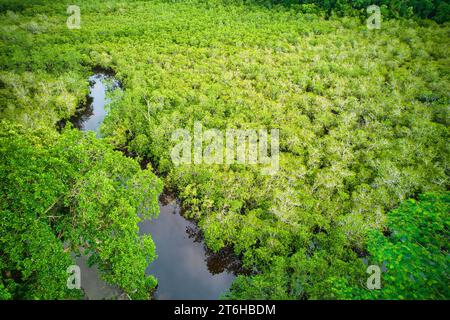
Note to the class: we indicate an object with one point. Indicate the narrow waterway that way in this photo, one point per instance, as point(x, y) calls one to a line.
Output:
point(185, 268)
point(94, 111)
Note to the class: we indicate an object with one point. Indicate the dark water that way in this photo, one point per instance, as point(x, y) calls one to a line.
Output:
point(94, 111)
point(185, 268)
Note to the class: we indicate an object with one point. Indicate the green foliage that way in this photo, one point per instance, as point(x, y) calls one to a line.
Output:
point(363, 118)
point(38, 100)
point(432, 9)
point(414, 253)
point(71, 192)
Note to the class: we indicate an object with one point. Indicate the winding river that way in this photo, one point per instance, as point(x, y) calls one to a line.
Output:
point(185, 268)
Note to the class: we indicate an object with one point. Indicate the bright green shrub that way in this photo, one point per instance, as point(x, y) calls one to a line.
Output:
point(414, 251)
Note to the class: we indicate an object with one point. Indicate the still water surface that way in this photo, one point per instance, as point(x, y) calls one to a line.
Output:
point(185, 269)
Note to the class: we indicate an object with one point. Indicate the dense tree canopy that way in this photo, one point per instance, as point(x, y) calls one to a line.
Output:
point(438, 10)
point(66, 193)
point(363, 119)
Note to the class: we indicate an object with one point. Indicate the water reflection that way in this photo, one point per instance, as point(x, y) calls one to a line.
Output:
point(185, 269)
point(92, 113)
point(92, 117)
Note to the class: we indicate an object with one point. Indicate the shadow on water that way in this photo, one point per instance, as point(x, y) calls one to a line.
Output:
point(185, 268)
